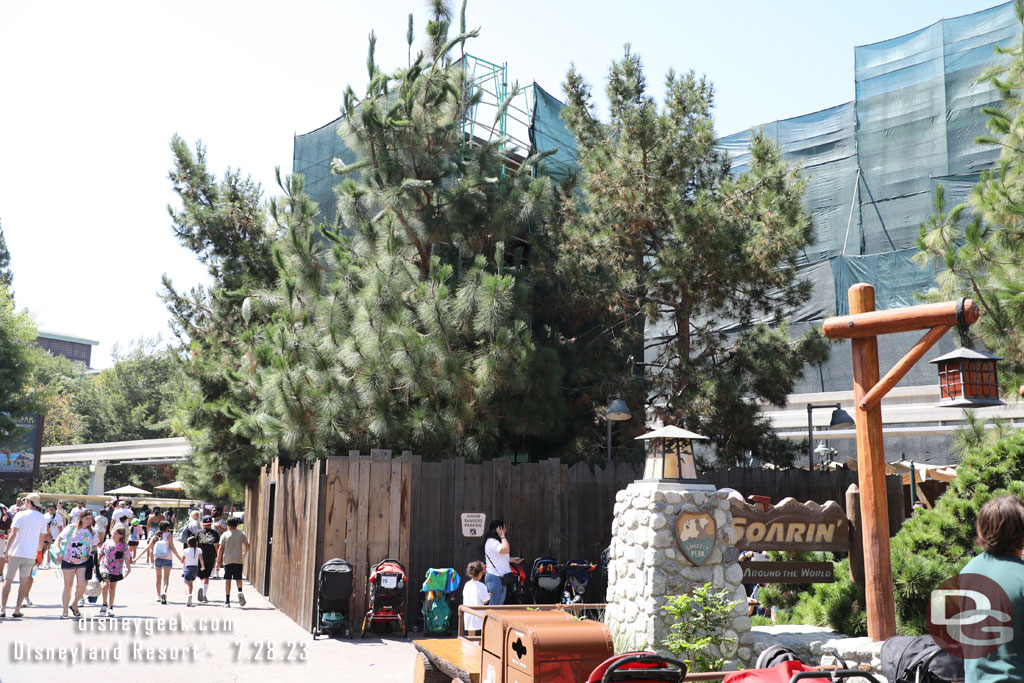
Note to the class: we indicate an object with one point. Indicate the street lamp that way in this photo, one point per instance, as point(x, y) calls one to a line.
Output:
point(840, 419)
point(618, 411)
point(670, 455)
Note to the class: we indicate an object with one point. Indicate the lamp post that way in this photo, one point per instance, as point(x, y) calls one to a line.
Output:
point(840, 419)
point(618, 411)
point(670, 455)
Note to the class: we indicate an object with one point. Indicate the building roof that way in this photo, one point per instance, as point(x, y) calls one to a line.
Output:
point(66, 337)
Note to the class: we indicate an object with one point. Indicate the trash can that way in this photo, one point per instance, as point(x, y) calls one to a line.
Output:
point(492, 638)
point(554, 652)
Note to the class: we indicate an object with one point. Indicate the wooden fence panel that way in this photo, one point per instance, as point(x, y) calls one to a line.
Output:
point(336, 508)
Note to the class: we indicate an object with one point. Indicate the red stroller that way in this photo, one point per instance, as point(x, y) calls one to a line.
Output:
point(639, 667)
point(386, 595)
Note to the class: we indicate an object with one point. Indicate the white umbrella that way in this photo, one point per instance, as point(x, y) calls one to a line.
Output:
point(127, 491)
point(178, 486)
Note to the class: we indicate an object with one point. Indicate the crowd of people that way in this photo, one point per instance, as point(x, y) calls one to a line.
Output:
point(94, 551)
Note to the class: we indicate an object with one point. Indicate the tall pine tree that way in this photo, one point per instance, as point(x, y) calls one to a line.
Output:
point(412, 329)
point(224, 223)
point(695, 269)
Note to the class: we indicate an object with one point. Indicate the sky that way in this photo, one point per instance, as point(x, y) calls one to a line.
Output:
point(91, 94)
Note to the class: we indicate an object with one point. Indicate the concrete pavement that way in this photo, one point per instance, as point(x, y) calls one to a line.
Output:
point(206, 643)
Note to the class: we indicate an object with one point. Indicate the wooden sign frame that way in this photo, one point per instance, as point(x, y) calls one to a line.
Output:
point(791, 526)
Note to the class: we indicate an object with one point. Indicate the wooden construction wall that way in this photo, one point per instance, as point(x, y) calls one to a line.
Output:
point(369, 508)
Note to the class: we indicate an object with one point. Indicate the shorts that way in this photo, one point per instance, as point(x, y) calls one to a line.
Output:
point(233, 571)
point(133, 544)
point(22, 566)
point(3, 545)
point(207, 572)
point(64, 564)
point(112, 578)
point(189, 573)
point(162, 563)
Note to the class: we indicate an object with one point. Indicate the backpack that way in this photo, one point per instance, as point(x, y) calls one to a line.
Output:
point(184, 535)
point(438, 614)
point(161, 549)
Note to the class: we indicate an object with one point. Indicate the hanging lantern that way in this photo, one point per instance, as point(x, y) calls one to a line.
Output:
point(670, 455)
point(967, 378)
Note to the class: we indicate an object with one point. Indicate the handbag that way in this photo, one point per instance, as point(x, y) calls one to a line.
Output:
point(509, 579)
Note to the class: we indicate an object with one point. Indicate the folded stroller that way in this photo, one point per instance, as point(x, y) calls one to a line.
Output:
point(333, 595)
point(918, 659)
point(778, 664)
point(440, 586)
point(577, 577)
point(386, 595)
point(546, 581)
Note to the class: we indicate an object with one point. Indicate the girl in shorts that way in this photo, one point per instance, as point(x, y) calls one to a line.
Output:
point(74, 550)
point(192, 563)
point(133, 537)
point(115, 564)
point(162, 544)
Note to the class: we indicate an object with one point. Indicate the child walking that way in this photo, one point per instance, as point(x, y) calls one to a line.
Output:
point(474, 594)
point(115, 564)
point(231, 552)
point(191, 563)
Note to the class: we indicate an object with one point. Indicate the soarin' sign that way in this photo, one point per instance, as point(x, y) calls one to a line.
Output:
point(791, 526)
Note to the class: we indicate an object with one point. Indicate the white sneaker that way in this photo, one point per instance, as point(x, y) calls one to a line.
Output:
point(202, 595)
point(241, 600)
point(103, 610)
point(110, 612)
point(188, 603)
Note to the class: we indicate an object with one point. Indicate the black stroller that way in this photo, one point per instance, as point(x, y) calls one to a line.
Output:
point(546, 581)
point(577, 578)
point(918, 659)
point(333, 597)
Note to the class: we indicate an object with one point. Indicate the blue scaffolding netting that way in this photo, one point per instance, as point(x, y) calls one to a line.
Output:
point(872, 165)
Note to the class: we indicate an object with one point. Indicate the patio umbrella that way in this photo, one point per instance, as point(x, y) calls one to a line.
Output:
point(127, 491)
point(174, 486)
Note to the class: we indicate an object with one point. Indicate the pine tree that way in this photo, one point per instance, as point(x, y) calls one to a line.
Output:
point(224, 223)
point(411, 329)
point(977, 248)
point(6, 276)
point(677, 245)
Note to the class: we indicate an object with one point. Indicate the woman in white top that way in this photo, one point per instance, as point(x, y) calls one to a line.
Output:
point(163, 548)
point(498, 556)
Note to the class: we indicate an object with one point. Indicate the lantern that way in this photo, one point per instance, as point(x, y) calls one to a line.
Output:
point(968, 379)
point(670, 454)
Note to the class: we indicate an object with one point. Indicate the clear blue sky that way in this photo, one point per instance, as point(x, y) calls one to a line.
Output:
point(92, 92)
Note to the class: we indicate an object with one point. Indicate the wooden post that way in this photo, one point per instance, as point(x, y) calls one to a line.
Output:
point(878, 586)
point(856, 540)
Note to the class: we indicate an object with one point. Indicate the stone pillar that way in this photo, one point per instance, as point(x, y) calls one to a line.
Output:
point(647, 566)
point(98, 472)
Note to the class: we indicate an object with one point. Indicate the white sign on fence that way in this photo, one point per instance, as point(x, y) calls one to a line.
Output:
point(473, 524)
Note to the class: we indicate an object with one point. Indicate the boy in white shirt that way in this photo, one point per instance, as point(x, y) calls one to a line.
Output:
point(474, 594)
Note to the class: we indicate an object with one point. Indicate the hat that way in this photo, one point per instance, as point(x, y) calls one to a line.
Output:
point(34, 499)
point(135, 522)
point(207, 519)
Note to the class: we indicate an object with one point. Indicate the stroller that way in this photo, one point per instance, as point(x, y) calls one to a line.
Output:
point(386, 595)
point(918, 659)
point(518, 593)
point(440, 586)
point(778, 664)
point(546, 581)
point(577, 577)
point(333, 595)
point(628, 667)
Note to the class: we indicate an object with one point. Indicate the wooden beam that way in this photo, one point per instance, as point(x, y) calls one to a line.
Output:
point(874, 396)
point(878, 587)
point(873, 323)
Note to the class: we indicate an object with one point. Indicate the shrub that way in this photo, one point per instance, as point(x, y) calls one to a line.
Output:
point(702, 618)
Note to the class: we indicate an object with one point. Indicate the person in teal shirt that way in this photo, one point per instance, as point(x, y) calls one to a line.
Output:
point(1000, 530)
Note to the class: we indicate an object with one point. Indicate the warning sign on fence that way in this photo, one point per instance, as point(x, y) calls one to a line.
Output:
point(473, 524)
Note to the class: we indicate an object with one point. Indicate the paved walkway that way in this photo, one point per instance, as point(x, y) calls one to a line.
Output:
point(209, 643)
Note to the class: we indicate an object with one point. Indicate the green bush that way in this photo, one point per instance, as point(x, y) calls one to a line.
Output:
point(931, 546)
point(702, 618)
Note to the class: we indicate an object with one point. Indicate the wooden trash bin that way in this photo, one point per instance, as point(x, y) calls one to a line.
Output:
point(555, 653)
point(492, 638)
